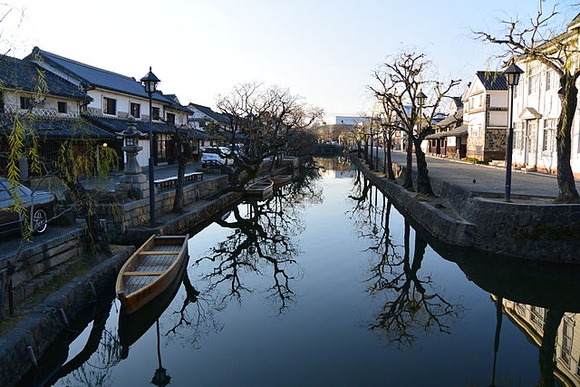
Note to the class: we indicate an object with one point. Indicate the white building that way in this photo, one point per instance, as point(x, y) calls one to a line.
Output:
point(485, 115)
point(113, 97)
point(537, 109)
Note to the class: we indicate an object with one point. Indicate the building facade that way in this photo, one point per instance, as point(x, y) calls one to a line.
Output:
point(485, 116)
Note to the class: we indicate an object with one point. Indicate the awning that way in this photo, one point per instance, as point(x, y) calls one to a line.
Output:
point(529, 113)
point(116, 125)
point(456, 132)
point(59, 128)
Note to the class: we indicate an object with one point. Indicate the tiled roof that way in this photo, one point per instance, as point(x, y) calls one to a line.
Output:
point(493, 80)
point(210, 113)
point(18, 74)
point(55, 128)
point(117, 125)
point(94, 76)
point(450, 119)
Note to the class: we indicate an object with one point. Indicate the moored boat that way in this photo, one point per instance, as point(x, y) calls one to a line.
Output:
point(260, 189)
point(151, 269)
point(281, 180)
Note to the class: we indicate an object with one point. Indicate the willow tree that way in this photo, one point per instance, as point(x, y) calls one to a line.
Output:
point(401, 82)
point(533, 41)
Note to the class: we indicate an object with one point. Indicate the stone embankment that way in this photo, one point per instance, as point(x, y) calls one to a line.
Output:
point(528, 227)
point(31, 338)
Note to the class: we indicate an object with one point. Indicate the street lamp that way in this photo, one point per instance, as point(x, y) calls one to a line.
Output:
point(150, 82)
point(512, 75)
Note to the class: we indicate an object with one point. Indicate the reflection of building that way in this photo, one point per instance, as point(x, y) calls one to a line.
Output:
point(336, 167)
point(530, 319)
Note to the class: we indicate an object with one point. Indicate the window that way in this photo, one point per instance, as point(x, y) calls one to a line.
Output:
point(534, 80)
point(567, 340)
point(155, 113)
point(135, 110)
point(549, 140)
point(171, 118)
point(162, 140)
point(548, 80)
point(25, 102)
point(537, 315)
point(61, 106)
point(110, 106)
point(518, 136)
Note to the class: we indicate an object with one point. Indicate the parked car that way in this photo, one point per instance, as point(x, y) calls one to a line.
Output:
point(212, 156)
point(39, 204)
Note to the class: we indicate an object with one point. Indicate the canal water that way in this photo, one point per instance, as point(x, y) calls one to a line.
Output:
point(327, 284)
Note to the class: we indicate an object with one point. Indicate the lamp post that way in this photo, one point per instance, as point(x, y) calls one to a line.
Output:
point(512, 74)
point(150, 82)
point(421, 99)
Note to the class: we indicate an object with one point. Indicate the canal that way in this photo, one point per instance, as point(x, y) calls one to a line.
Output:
point(327, 284)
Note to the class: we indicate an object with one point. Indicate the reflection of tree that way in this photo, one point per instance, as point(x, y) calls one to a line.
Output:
point(261, 242)
point(93, 364)
point(412, 305)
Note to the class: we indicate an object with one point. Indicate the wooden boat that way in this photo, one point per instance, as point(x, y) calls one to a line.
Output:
point(280, 180)
point(260, 189)
point(151, 269)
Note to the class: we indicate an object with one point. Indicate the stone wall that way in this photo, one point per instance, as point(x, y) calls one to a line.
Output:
point(533, 230)
point(41, 258)
point(121, 217)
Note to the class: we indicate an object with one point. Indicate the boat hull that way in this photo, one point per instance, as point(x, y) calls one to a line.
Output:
point(151, 270)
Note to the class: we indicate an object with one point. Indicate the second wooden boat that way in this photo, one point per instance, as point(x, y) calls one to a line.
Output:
point(261, 188)
point(151, 269)
point(281, 180)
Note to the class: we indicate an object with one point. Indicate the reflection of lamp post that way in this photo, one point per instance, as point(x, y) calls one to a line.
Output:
point(512, 74)
point(150, 82)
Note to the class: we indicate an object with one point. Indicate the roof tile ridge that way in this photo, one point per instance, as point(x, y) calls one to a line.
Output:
point(83, 64)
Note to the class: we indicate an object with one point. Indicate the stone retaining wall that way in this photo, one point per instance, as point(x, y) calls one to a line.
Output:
point(121, 217)
point(34, 335)
point(547, 232)
point(37, 264)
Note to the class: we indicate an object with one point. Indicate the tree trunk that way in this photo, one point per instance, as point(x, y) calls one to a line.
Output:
point(423, 182)
point(389, 159)
point(568, 94)
point(547, 349)
point(408, 184)
point(178, 201)
point(96, 231)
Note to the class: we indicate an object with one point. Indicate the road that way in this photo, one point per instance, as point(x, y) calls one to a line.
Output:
point(483, 178)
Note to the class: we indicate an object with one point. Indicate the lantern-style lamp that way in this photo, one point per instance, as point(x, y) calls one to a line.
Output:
point(421, 98)
point(512, 74)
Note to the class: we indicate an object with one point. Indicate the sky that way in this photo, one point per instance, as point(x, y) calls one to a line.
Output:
point(322, 50)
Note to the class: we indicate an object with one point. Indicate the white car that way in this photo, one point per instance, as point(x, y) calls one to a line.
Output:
point(212, 156)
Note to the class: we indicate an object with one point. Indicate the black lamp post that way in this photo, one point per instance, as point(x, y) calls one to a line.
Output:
point(512, 74)
point(150, 82)
point(421, 99)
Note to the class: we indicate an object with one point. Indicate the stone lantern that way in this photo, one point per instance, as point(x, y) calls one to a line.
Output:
point(133, 182)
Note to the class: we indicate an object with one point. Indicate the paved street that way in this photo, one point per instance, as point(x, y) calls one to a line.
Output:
point(487, 179)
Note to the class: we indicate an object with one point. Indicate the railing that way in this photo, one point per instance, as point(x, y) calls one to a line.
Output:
point(171, 182)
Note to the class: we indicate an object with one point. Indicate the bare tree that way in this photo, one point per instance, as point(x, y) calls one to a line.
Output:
point(534, 42)
point(402, 79)
point(264, 120)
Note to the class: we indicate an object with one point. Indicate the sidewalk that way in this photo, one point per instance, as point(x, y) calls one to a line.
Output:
point(159, 172)
point(483, 178)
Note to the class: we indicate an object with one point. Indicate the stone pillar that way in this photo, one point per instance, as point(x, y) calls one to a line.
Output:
point(133, 182)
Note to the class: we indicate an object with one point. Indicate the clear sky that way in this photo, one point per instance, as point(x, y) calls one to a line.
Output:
point(322, 50)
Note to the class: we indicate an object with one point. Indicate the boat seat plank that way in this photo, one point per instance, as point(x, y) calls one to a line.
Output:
point(157, 252)
point(141, 273)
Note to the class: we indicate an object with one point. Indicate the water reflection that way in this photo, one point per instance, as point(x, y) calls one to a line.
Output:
point(541, 299)
point(101, 347)
point(263, 242)
point(412, 304)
